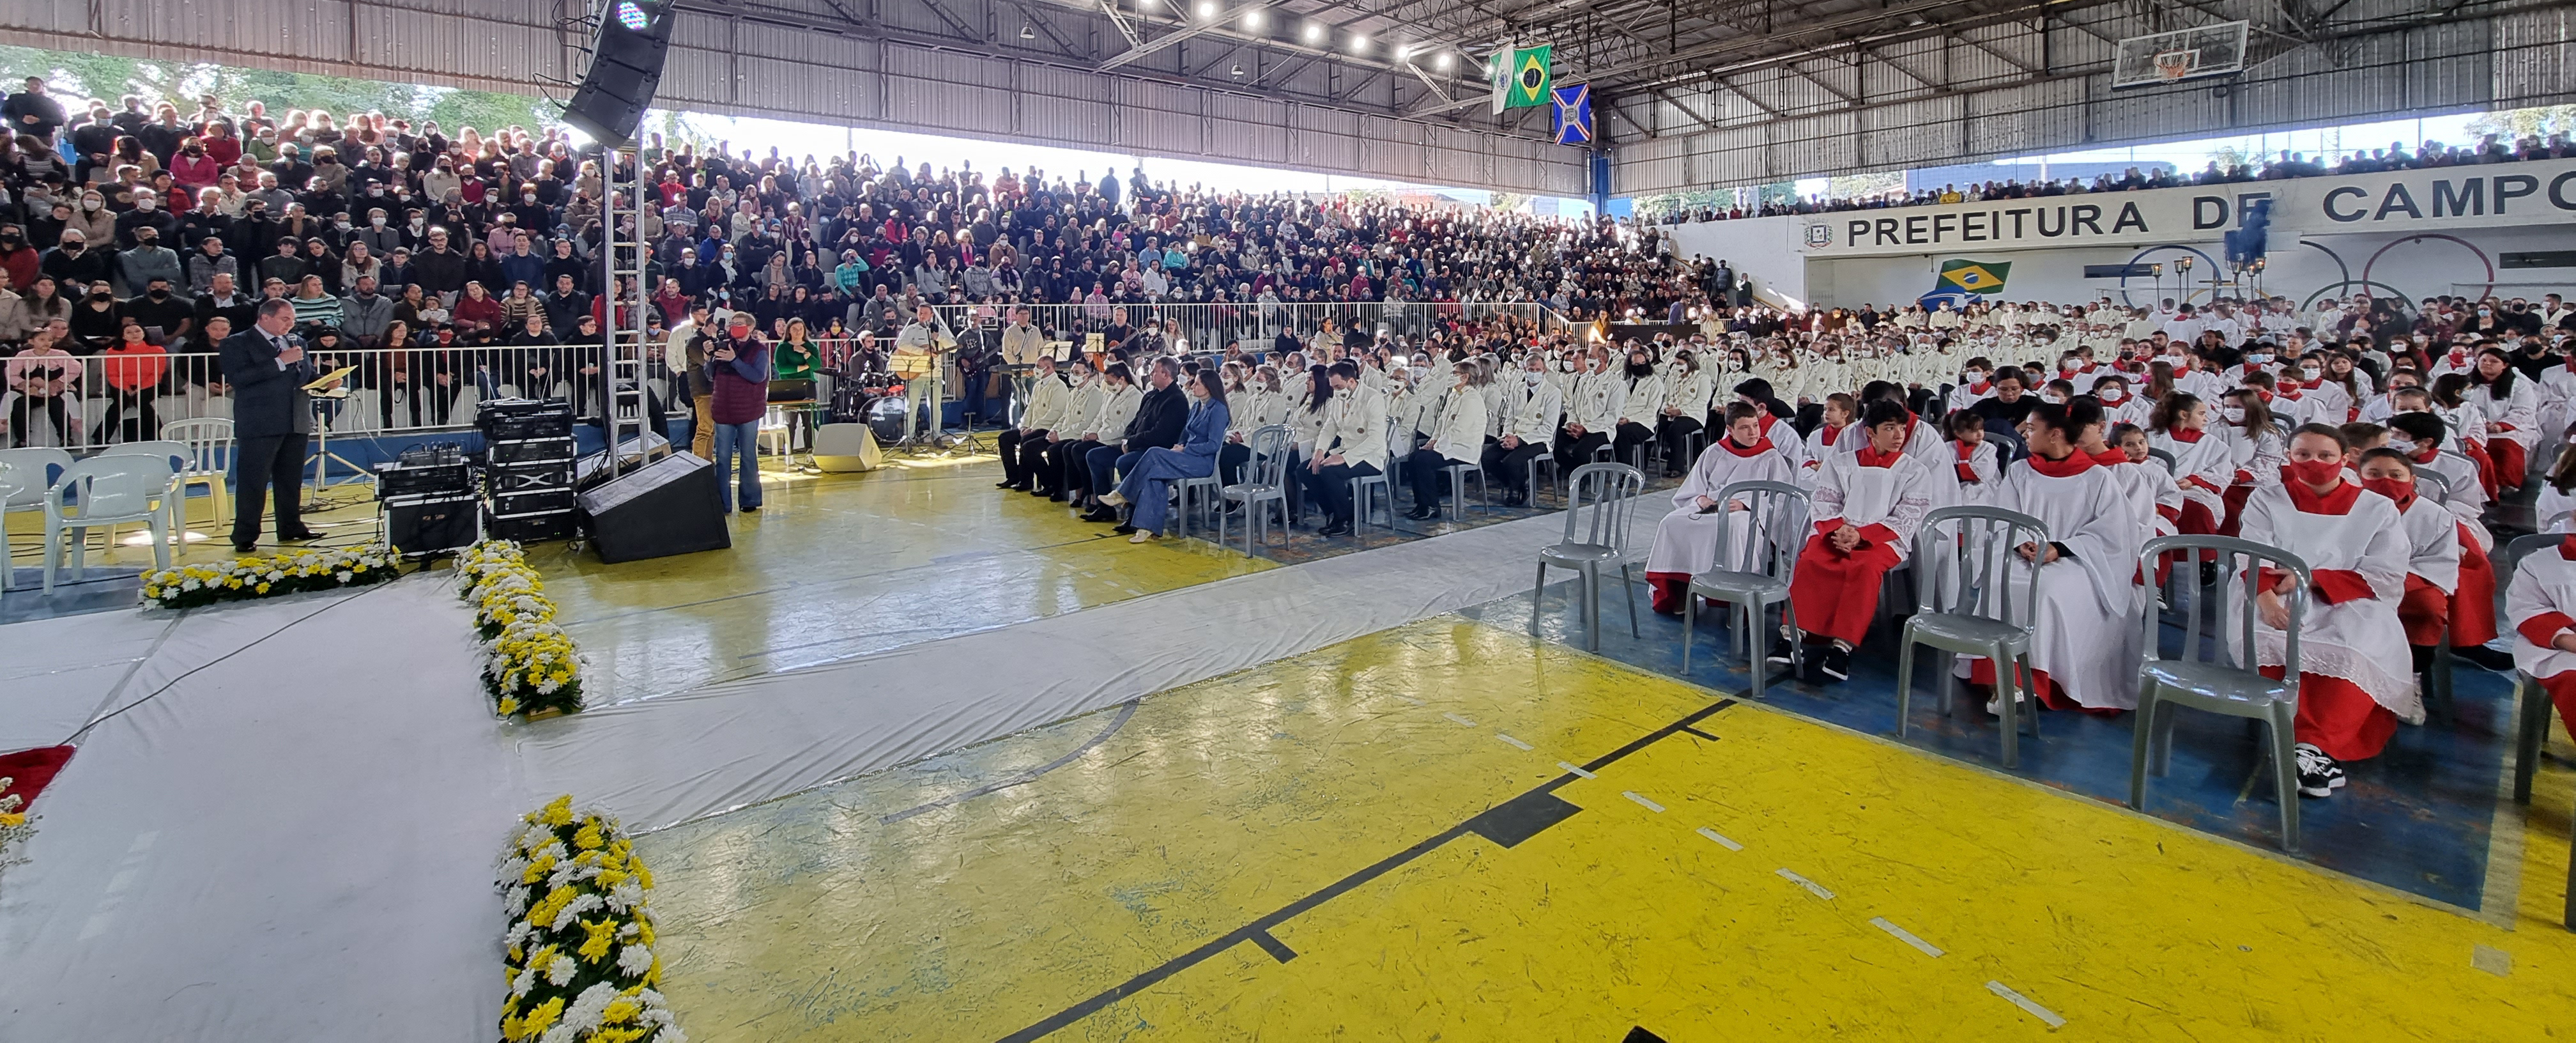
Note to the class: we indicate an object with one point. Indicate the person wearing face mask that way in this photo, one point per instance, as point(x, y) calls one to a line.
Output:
point(2204, 462)
point(2118, 405)
point(94, 220)
point(145, 262)
point(1457, 437)
point(1593, 401)
point(1529, 420)
point(72, 263)
point(2356, 679)
point(2510, 408)
point(378, 232)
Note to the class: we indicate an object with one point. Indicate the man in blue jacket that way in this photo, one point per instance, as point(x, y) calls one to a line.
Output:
point(272, 418)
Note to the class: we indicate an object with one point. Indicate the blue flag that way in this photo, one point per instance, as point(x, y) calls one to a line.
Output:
point(1571, 108)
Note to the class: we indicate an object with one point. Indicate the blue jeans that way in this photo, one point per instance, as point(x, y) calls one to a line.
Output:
point(741, 440)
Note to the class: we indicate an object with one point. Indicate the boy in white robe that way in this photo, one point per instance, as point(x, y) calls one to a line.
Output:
point(2085, 645)
point(2541, 605)
point(1686, 540)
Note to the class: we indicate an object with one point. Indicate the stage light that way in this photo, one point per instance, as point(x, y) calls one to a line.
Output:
point(633, 17)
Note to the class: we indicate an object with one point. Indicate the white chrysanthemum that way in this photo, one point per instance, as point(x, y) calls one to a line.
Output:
point(588, 1008)
point(626, 895)
point(522, 981)
point(344, 575)
point(519, 932)
point(560, 1034)
point(188, 584)
point(560, 972)
point(584, 903)
point(634, 960)
point(670, 1034)
point(629, 929)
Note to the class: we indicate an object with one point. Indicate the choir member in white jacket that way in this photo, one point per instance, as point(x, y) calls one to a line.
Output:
point(2541, 605)
point(2119, 406)
point(1352, 445)
point(2085, 644)
point(1458, 439)
point(1529, 410)
point(1641, 400)
point(1686, 540)
point(1867, 507)
point(2356, 680)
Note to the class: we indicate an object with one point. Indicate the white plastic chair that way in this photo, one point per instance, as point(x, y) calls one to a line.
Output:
point(31, 472)
point(210, 452)
point(179, 455)
point(107, 489)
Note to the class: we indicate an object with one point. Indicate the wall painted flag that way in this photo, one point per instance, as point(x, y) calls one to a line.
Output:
point(1524, 83)
point(1964, 282)
point(1572, 112)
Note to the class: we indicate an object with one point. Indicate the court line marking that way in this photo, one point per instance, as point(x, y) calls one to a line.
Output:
point(1408, 698)
point(1460, 720)
point(1577, 771)
point(1721, 840)
point(1905, 936)
point(1088, 1007)
point(1642, 801)
point(1812, 887)
point(2033, 1009)
point(1506, 737)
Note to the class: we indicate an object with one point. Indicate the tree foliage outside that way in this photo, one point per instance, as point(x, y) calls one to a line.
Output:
point(184, 85)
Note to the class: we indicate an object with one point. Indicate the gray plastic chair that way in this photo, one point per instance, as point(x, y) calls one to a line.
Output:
point(2428, 480)
point(1600, 501)
point(2215, 682)
point(2532, 726)
point(1196, 495)
point(1365, 491)
point(1982, 617)
point(2168, 458)
point(1458, 489)
point(1753, 577)
point(1268, 471)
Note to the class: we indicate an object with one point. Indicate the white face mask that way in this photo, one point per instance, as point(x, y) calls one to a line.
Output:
point(2259, 358)
point(377, 221)
point(92, 204)
point(1536, 378)
point(2402, 444)
point(144, 204)
point(2233, 414)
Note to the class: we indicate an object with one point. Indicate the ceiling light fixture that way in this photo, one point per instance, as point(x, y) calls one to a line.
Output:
point(1359, 43)
point(1238, 71)
point(1206, 10)
point(1027, 33)
point(1252, 19)
point(1314, 32)
point(1444, 61)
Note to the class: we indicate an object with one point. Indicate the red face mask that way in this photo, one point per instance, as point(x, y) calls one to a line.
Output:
point(2315, 472)
point(2402, 492)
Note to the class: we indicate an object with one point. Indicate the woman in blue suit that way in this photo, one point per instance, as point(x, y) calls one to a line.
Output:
point(1149, 486)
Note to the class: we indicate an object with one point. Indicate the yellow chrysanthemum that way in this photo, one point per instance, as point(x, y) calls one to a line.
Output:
point(559, 811)
point(601, 941)
point(588, 839)
point(538, 1020)
point(9, 819)
point(620, 1012)
point(509, 706)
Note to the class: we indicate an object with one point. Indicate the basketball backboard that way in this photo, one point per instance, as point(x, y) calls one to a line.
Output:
point(2157, 59)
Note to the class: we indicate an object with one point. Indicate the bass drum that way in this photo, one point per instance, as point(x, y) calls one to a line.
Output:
point(885, 417)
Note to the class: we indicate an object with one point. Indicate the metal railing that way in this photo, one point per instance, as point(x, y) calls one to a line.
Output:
point(396, 391)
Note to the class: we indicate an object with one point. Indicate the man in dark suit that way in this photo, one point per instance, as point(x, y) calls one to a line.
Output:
point(272, 418)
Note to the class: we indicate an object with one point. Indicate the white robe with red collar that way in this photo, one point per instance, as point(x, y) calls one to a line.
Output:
point(2539, 605)
point(2366, 550)
point(2087, 636)
point(1686, 540)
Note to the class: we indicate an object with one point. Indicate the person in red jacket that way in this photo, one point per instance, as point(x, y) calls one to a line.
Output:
point(134, 367)
point(738, 377)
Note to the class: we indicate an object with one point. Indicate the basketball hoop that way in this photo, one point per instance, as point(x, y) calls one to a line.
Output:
point(2171, 66)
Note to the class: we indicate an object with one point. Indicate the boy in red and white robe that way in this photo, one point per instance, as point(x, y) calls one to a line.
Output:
point(2434, 549)
point(1867, 507)
point(1686, 540)
point(2356, 679)
point(2541, 604)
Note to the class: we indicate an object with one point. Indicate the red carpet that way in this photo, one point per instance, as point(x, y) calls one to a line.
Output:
point(28, 771)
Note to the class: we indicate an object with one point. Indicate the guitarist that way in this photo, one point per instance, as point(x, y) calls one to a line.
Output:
point(917, 351)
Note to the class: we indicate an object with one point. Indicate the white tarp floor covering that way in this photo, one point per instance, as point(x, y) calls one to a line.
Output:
point(295, 840)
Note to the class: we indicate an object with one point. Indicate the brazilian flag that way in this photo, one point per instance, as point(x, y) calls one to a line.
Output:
point(1978, 277)
point(1524, 82)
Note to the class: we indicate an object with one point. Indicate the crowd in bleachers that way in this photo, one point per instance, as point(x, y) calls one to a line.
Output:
point(2371, 437)
point(2491, 148)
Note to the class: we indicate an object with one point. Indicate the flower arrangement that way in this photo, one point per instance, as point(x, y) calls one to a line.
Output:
point(14, 827)
point(291, 572)
point(531, 667)
point(581, 965)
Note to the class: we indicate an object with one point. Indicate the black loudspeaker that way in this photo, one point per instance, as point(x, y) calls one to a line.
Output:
point(428, 524)
point(625, 71)
point(669, 507)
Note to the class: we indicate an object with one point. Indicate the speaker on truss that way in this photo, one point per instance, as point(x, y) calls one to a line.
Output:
point(625, 70)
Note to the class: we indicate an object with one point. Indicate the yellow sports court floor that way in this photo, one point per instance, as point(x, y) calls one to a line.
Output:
point(1457, 832)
